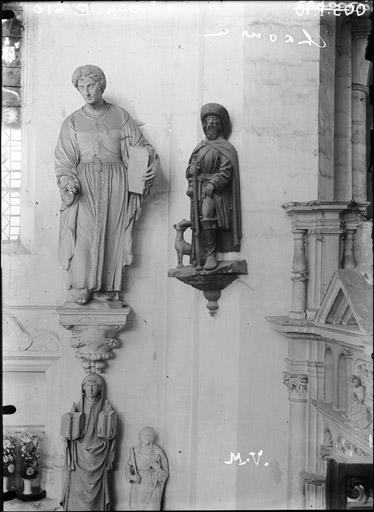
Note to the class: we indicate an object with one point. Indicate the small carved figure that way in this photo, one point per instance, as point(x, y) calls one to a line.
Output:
point(89, 430)
point(98, 207)
point(359, 414)
point(214, 189)
point(147, 471)
point(181, 246)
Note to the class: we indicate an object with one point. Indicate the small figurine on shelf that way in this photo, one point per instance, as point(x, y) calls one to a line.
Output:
point(30, 457)
point(147, 471)
point(9, 466)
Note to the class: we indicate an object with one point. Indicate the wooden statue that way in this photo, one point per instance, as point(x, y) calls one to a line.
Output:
point(214, 189)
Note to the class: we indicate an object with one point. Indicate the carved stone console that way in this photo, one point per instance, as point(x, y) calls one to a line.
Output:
point(212, 282)
point(94, 327)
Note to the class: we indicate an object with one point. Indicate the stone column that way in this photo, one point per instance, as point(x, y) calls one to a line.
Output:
point(343, 112)
point(360, 90)
point(299, 276)
point(359, 94)
point(297, 385)
point(348, 255)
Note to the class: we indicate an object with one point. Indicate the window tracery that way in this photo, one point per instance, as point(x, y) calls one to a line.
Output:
point(11, 150)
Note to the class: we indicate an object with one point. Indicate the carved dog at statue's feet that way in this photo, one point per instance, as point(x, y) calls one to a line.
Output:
point(181, 246)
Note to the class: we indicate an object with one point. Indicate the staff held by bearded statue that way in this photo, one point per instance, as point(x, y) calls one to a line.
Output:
point(214, 189)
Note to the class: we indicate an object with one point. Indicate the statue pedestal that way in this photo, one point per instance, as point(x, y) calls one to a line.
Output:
point(211, 282)
point(94, 327)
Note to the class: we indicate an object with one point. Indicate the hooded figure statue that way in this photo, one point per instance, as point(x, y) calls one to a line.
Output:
point(214, 189)
point(89, 431)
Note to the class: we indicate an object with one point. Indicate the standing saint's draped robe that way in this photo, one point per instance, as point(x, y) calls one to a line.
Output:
point(95, 241)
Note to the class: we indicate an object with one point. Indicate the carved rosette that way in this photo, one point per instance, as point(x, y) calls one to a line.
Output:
point(297, 385)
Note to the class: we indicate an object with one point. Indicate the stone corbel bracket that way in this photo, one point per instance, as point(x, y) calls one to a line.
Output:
point(211, 282)
point(94, 328)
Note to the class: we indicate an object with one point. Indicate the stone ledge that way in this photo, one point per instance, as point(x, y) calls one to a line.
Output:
point(94, 313)
point(216, 279)
point(17, 505)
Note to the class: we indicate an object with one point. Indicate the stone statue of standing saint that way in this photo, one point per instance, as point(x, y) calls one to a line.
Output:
point(214, 189)
point(89, 430)
point(98, 208)
point(147, 470)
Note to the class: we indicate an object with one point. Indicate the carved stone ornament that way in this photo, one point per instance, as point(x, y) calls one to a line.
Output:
point(297, 385)
point(94, 328)
point(347, 448)
point(215, 211)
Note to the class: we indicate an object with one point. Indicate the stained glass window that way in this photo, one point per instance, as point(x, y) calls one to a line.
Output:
point(11, 135)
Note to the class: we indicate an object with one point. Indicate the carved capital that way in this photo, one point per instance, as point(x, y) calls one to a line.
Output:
point(348, 353)
point(297, 385)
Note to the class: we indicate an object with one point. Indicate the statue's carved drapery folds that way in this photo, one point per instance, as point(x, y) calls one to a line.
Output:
point(147, 471)
point(89, 430)
point(98, 208)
